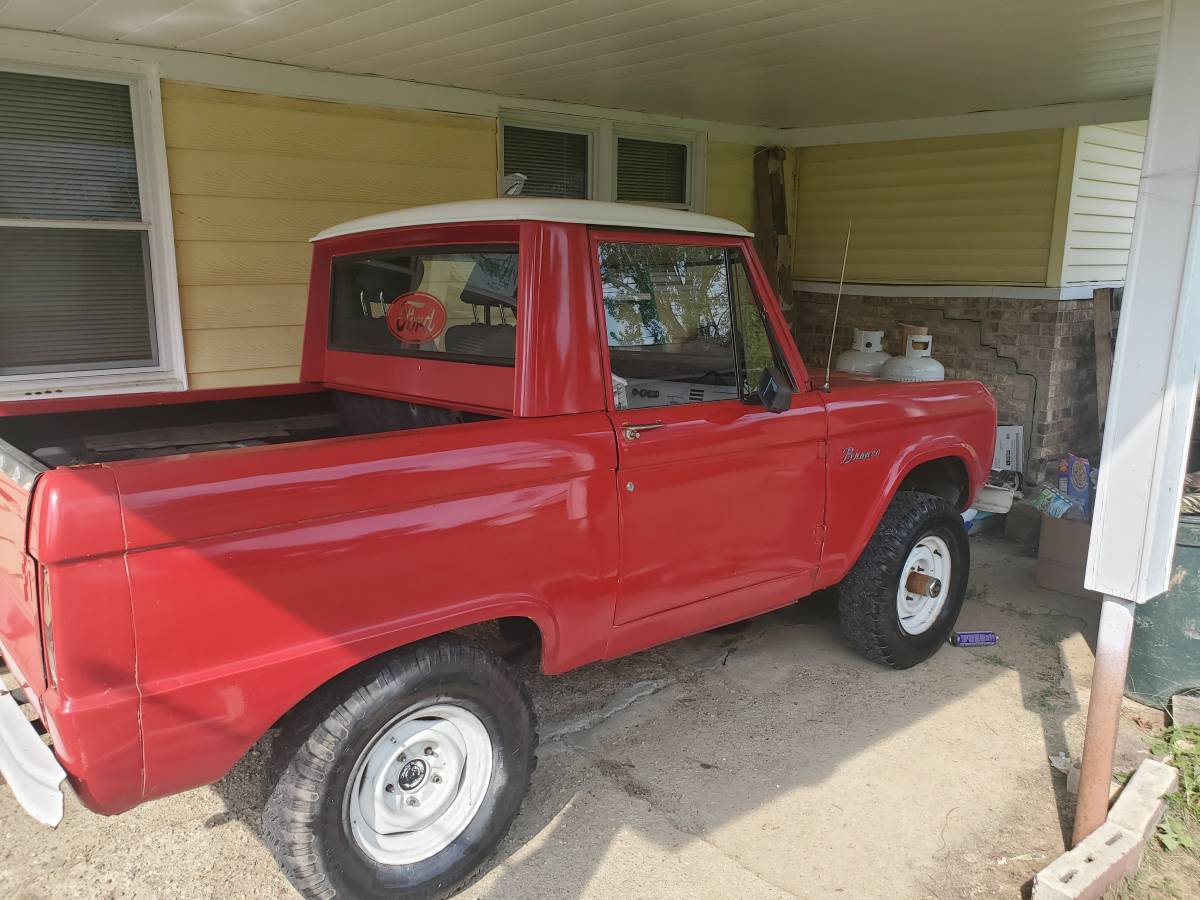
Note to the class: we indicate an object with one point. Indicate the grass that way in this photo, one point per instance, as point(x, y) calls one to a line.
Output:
point(1183, 807)
point(1171, 868)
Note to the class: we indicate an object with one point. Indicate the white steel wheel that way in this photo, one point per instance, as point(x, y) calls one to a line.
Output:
point(919, 600)
point(418, 784)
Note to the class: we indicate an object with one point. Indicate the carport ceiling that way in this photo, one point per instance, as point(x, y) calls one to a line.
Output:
point(780, 63)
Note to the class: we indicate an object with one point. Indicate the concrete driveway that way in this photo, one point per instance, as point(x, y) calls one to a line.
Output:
point(771, 762)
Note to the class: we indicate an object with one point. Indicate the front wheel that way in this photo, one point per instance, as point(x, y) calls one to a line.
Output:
point(901, 600)
point(402, 778)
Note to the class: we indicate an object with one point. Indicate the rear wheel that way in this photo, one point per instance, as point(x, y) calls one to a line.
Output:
point(402, 778)
point(901, 600)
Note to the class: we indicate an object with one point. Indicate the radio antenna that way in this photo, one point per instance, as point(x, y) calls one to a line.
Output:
point(837, 307)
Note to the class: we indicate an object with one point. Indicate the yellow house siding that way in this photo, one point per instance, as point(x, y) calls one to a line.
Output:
point(1104, 186)
point(957, 210)
point(254, 176)
point(729, 182)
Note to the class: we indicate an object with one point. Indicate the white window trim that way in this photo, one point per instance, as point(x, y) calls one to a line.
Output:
point(170, 374)
point(602, 149)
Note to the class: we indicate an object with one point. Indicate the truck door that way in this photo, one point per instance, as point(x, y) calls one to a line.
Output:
point(717, 494)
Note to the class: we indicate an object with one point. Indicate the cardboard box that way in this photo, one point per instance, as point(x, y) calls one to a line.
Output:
point(1062, 556)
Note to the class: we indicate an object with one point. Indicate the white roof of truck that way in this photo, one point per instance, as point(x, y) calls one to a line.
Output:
point(585, 212)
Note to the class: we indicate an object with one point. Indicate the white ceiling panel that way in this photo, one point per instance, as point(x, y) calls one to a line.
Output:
point(298, 19)
point(779, 63)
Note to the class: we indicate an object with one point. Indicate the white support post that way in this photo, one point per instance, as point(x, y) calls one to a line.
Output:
point(1152, 400)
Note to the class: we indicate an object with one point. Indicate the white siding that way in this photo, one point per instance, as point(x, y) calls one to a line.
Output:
point(1108, 166)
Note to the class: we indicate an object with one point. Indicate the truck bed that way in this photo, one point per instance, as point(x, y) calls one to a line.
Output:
point(138, 432)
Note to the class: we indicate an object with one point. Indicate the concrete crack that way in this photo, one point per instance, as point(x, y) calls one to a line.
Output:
point(637, 692)
point(619, 703)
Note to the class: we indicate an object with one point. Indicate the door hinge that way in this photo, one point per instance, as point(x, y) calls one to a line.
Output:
point(819, 534)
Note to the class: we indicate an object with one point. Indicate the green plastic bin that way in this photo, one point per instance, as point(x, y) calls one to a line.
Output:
point(1164, 658)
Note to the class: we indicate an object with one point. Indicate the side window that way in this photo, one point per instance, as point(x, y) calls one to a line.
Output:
point(682, 324)
point(456, 304)
point(757, 345)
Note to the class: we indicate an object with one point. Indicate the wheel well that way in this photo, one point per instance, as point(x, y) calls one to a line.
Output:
point(945, 477)
point(506, 637)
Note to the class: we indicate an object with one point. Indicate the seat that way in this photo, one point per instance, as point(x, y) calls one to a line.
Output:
point(478, 339)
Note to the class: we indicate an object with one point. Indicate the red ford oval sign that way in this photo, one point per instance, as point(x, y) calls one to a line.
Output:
point(417, 317)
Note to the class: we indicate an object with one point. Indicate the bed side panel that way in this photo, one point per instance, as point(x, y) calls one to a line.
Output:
point(260, 577)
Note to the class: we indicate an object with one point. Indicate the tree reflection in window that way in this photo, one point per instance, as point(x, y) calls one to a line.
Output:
point(660, 294)
point(671, 328)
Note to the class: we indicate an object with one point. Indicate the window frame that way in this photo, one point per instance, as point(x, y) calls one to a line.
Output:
point(796, 371)
point(168, 373)
point(602, 137)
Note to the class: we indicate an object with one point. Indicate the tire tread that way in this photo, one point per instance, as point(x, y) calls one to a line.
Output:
point(867, 593)
point(310, 737)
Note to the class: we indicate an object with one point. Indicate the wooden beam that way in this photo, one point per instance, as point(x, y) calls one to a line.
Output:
point(772, 232)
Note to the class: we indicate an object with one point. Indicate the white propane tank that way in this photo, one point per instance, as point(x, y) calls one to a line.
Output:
point(917, 363)
point(867, 357)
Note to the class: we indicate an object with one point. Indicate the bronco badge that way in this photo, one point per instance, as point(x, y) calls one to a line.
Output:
point(850, 455)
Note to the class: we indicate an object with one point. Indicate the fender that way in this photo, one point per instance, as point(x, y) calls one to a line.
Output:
point(871, 454)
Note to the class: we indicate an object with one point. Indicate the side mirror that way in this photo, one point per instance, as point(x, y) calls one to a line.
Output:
point(774, 391)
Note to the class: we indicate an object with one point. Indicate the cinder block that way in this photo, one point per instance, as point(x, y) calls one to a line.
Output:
point(1115, 849)
point(1142, 803)
point(1102, 859)
point(1185, 710)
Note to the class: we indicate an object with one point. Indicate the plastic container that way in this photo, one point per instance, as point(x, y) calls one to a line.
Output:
point(917, 363)
point(1164, 657)
point(866, 357)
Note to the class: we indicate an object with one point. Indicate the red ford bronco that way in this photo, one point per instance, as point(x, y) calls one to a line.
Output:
point(584, 419)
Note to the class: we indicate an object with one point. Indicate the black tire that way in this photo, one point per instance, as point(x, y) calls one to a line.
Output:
point(305, 819)
point(867, 596)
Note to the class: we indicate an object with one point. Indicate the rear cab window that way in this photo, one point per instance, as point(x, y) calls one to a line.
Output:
point(456, 304)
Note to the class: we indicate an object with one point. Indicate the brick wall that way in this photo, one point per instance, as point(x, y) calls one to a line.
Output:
point(1036, 356)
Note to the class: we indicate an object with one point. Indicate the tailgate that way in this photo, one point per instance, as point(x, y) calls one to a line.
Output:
point(20, 631)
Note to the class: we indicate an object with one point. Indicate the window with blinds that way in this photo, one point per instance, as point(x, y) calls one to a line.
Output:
point(652, 172)
point(75, 290)
point(554, 163)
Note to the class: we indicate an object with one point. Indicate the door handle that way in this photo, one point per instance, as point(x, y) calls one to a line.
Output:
point(632, 432)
